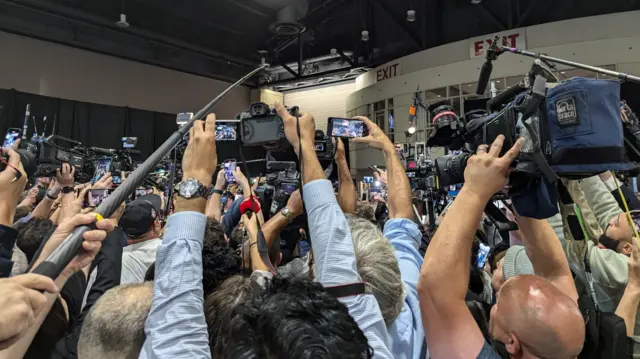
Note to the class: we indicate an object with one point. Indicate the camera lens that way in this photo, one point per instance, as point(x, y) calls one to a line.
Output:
point(450, 169)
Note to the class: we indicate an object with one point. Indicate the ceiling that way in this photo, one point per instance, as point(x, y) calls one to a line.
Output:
point(221, 38)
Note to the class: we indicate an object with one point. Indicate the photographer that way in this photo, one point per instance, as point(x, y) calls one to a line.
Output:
point(404, 235)
point(534, 316)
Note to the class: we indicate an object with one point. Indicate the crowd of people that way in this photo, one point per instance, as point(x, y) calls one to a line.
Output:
point(218, 281)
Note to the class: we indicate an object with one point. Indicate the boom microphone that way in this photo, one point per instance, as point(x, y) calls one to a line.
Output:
point(55, 263)
point(103, 151)
point(487, 68)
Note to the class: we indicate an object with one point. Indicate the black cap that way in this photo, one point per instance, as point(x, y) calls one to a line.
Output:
point(139, 215)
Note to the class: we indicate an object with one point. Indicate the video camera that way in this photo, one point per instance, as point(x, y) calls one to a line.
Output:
point(43, 158)
point(261, 125)
point(323, 146)
point(422, 173)
point(283, 179)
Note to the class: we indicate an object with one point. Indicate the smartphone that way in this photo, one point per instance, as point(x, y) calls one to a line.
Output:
point(226, 133)
point(103, 166)
point(143, 191)
point(483, 255)
point(288, 188)
point(129, 142)
point(94, 197)
point(229, 166)
point(13, 134)
point(346, 127)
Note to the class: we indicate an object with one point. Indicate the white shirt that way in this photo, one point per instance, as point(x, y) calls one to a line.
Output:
point(136, 259)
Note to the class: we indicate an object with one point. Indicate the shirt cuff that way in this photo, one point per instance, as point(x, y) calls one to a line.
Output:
point(405, 226)
point(186, 225)
point(318, 193)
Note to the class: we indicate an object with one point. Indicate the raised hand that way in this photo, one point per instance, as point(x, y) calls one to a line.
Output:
point(376, 139)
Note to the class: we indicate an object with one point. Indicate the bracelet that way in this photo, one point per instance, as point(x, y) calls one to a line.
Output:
point(51, 197)
point(217, 191)
point(253, 244)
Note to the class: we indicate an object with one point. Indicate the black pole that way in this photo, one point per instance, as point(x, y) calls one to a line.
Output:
point(620, 75)
point(55, 263)
point(172, 177)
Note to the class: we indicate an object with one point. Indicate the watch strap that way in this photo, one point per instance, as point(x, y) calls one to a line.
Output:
point(67, 189)
point(217, 191)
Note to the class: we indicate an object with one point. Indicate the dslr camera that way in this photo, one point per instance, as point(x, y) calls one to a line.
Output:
point(323, 146)
point(261, 125)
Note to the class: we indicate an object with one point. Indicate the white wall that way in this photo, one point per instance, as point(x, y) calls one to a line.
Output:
point(322, 102)
point(58, 71)
point(598, 40)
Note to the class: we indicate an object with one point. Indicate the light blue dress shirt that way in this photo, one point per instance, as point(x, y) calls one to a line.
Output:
point(407, 333)
point(176, 326)
point(336, 262)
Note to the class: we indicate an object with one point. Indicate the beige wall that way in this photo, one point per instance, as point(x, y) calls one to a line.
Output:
point(53, 70)
point(322, 102)
point(267, 96)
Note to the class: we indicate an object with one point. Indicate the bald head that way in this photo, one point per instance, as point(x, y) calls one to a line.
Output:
point(114, 328)
point(534, 316)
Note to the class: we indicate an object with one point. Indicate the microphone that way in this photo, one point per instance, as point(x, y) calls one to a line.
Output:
point(131, 152)
point(103, 151)
point(485, 75)
point(487, 68)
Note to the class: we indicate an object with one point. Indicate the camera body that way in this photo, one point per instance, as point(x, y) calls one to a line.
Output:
point(43, 158)
point(422, 174)
point(261, 125)
point(323, 146)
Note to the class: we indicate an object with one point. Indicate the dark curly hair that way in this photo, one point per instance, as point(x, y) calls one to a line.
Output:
point(31, 234)
point(219, 262)
point(294, 319)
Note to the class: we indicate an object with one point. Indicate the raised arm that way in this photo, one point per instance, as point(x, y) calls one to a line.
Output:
point(176, 326)
point(546, 254)
point(397, 181)
point(330, 235)
point(628, 307)
point(450, 328)
point(347, 196)
point(214, 205)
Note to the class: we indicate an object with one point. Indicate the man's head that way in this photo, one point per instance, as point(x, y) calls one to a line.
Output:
point(378, 267)
point(218, 310)
point(510, 263)
point(140, 220)
point(535, 317)
point(219, 261)
point(114, 328)
point(618, 234)
point(293, 319)
point(31, 234)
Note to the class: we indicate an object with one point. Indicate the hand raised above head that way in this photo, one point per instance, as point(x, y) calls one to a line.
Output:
point(290, 122)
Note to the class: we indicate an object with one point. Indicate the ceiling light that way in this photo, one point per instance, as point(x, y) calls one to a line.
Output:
point(411, 15)
point(476, 2)
point(365, 35)
point(411, 130)
point(333, 51)
point(563, 72)
point(123, 21)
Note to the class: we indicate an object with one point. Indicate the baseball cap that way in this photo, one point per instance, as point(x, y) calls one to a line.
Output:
point(139, 215)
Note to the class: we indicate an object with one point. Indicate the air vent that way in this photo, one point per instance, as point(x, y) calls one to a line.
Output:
point(286, 28)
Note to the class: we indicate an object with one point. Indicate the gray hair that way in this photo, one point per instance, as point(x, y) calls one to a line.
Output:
point(114, 327)
point(378, 267)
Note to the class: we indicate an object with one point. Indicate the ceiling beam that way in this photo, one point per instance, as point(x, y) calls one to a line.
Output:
point(345, 58)
point(401, 23)
point(492, 17)
point(522, 17)
point(81, 17)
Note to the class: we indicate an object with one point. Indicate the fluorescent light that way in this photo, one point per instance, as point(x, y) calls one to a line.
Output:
point(476, 2)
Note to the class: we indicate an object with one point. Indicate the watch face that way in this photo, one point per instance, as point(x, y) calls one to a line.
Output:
point(189, 188)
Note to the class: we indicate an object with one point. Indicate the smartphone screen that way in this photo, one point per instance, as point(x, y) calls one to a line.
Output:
point(102, 166)
point(129, 142)
point(95, 197)
point(143, 191)
point(229, 167)
point(349, 128)
point(13, 134)
point(367, 179)
point(288, 188)
point(117, 180)
point(226, 133)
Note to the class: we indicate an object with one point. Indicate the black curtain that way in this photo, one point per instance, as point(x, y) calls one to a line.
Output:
point(104, 126)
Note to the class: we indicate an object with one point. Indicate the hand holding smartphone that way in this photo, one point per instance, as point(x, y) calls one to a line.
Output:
point(229, 166)
point(347, 127)
point(12, 135)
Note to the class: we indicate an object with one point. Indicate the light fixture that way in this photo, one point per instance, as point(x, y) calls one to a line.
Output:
point(411, 130)
point(376, 184)
point(365, 35)
point(123, 21)
point(476, 2)
point(563, 72)
point(411, 15)
point(333, 51)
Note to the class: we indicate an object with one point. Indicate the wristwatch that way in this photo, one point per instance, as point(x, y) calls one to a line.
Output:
point(286, 212)
point(67, 189)
point(192, 188)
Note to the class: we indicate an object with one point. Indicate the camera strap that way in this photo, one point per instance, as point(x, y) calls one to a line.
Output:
point(263, 249)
